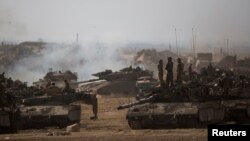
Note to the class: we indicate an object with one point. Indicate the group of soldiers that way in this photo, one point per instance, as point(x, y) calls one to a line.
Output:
point(225, 79)
point(169, 68)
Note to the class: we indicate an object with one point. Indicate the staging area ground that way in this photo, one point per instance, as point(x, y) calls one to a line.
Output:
point(111, 126)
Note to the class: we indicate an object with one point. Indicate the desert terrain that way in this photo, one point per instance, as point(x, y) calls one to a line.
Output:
point(111, 126)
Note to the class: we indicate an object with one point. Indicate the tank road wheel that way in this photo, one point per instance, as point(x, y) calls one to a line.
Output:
point(135, 124)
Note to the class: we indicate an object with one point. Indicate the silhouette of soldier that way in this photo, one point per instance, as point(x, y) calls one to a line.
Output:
point(2, 77)
point(210, 69)
point(190, 72)
point(169, 68)
point(160, 72)
point(180, 68)
point(9, 82)
point(190, 69)
point(226, 84)
point(66, 88)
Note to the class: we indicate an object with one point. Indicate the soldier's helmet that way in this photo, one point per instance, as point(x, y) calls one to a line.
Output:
point(169, 58)
point(160, 61)
point(179, 59)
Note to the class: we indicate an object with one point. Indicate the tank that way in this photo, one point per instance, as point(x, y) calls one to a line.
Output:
point(144, 85)
point(125, 74)
point(189, 106)
point(45, 116)
point(56, 110)
point(23, 106)
point(58, 77)
point(117, 83)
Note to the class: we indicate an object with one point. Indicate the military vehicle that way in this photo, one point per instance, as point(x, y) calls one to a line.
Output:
point(190, 105)
point(122, 82)
point(23, 107)
point(57, 77)
point(124, 74)
point(56, 110)
point(144, 85)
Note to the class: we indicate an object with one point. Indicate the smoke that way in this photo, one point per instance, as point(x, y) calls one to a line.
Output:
point(9, 26)
point(83, 59)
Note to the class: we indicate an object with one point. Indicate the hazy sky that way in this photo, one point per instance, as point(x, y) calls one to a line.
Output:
point(115, 21)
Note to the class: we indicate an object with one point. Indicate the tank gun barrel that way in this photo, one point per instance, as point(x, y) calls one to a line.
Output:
point(141, 101)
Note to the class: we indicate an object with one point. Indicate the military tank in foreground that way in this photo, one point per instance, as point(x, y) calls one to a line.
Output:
point(56, 110)
point(185, 106)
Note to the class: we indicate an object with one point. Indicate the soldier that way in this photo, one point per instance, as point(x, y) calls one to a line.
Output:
point(190, 69)
point(9, 82)
point(94, 103)
point(160, 72)
point(66, 88)
point(210, 69)
point(169, 68)
point(226, 84)
point(2, 77)
point(180, 68)
point(190, 72)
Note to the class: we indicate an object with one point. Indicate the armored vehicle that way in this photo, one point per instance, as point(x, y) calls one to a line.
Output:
point(125, 74)
point(145, 84)
point(45, 116)
point(58, 78)
point(56, 110)
point(189, 105)
point(23, 106)
point(117, 83)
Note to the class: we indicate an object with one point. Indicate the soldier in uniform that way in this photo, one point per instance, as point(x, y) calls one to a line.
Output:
point(226, 84)
point(169, 68)
point(190, 69)
point(180, 68)
point(66, 88)
point(210, 69)
point(160, 72)
point(190, 72)
point(2, 77)
point(9, 82)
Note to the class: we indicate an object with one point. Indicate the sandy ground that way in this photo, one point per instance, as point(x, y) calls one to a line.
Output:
point(111, 126)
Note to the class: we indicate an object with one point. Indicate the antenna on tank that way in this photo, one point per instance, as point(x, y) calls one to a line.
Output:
point(177, 50)
point(227, 47)
point(194, 43)
point(170, 48)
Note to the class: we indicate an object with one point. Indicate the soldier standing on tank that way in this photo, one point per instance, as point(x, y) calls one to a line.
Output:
point(160, 72)
point(2, 77)
point(180, 68)
point(66, 88)
point(190, 72)
point(169, 68)
point(226, 84)
point(9, 82)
